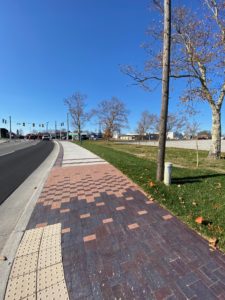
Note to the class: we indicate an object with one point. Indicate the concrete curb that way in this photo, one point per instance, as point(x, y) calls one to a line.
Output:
point(37, 179)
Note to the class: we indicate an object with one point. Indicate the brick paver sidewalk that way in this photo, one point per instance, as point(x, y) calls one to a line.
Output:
point(119, 244)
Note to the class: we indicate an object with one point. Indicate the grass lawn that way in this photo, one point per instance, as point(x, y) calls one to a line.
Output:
point(194, 191)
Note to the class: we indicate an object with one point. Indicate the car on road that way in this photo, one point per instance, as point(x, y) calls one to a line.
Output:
point(45, 138)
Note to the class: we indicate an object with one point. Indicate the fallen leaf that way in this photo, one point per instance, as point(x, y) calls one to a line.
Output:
point(199, 220)
point(219, 185)
point(3, 258)
point(217, 205)
point(213, 243)
point(151, 184)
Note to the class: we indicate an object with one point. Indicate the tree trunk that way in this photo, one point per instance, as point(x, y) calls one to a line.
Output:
point(215, 148)
point(165, 90)
point(79, 134)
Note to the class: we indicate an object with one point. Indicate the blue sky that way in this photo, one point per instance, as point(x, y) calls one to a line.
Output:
point(52, 48)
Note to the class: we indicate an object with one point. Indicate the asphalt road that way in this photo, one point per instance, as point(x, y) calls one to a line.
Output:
point(17, 166)
point(14, 145)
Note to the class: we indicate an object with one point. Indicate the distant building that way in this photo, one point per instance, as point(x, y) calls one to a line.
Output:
point(4, 133)
point(129, 137)
point(75, 135)
point(116, 135)
point(171, 135)
point(137, 137)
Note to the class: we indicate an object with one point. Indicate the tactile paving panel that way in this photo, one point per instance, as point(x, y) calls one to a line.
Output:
point(49, 257)
point(37, 271)
point(21, 287)
point(52, 230)
point(28, 247)
point(24, 264)
point(51, 241)
point(56, 292)
point(32, 234)
point(49, 276)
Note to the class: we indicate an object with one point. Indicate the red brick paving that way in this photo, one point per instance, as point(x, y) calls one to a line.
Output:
point(109, 220)
point(167, 217)
point(39, 225)
point(65, 230)
point(133, 226)
point(138, 252)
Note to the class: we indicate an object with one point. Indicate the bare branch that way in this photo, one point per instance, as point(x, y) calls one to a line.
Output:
point(158, 4)
point(76, 106)
point(213, 6)
point(221, 96)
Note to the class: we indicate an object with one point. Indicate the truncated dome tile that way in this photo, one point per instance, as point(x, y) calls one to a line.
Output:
point(49, 257)
point(51, 241)
point(32, 234)
point(52, 230)
point(49, 276)
point(28, 248)
point(21, 287)
point(24, 264)
point(57, 291)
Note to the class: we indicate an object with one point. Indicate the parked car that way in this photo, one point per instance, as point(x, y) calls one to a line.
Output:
point(203, 137)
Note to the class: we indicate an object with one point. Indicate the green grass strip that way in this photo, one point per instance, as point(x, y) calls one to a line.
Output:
point(193, 192)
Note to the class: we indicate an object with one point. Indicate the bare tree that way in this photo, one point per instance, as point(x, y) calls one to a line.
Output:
point(198, 50)
point(192, 129)
point(148, 122)
point(76, 106)
point(175, 122)
point(112, 116)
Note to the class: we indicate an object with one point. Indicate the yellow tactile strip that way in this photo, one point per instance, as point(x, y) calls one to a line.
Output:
point(37, 271)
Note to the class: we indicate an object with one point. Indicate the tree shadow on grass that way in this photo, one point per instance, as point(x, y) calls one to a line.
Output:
point(194, 179)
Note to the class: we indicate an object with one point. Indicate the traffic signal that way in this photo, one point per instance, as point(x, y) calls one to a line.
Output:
point(23, 124)
point(62, 124)
point(4, 121)
point(33, 124)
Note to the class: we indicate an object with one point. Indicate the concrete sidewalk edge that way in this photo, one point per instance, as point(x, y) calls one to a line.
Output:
point(10, 248)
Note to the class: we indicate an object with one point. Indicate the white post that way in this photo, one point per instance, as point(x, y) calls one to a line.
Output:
point(167, 173)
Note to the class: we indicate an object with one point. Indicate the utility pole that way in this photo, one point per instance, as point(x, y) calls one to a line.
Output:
point(165, 90)
point(67, 136)
point(10, 128)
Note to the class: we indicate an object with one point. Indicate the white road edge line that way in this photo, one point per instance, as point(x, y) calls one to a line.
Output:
point(7, 153)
